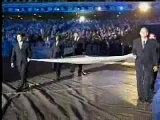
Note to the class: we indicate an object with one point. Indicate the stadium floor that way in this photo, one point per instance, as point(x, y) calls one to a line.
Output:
point(109, 92)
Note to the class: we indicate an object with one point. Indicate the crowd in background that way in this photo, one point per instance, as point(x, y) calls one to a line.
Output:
point(102, 37)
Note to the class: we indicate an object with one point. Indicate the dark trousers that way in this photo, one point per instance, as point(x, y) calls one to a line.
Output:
point(22, 69)
point(57, 66)
point(79, 68)
point(144, 81)
point(96, 49)
point(89, 49)
point(154, 80)
point(58, 69)
point(73, 66)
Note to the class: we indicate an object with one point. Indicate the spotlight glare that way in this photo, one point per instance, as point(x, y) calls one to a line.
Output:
point(144, 7)
point(82, 19)
point(121, 8)
point(16, 9)
point(99, 8)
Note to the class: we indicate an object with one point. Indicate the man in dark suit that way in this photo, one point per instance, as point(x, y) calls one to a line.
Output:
point(57, 51)
point(153, 37)
point(78, 49)
point(146, 64)
point(20, 57)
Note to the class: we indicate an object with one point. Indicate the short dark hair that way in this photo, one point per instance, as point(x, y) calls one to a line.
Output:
point(21, 34)
point(144, 27)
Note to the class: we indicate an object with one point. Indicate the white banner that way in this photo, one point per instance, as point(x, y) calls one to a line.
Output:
point(88, 59)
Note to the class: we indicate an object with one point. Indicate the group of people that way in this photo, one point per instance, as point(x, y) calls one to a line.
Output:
point(40, 30)
point(58, 52)
point(22, 53)
point(101, 38)
point(92, 33)
point(145, 48)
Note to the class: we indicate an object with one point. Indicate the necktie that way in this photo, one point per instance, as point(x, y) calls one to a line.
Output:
point(144, 42)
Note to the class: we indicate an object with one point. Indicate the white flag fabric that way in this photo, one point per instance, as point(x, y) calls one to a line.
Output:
point(88, 59)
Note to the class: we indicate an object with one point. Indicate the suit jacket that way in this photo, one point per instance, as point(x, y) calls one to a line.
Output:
point(57, 51)
point(78, 47)
point(20, 55)
point(158, 51)
point(146, 56)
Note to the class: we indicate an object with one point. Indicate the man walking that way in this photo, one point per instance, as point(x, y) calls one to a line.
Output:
point(78, 47)
point(20, 57)
point(146, 64)
point(57, 52)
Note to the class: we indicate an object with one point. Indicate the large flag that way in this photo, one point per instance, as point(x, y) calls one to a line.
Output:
point(88, 59)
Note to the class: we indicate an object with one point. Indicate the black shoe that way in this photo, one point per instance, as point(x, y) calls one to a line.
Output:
point(19, 89)
point(57, 78)
point(26, 86)
point(84, 73)
point(141, 99)
point(79, 74)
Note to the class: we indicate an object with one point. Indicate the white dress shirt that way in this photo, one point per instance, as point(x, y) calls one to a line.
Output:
point(20, 44)
point(57, 43)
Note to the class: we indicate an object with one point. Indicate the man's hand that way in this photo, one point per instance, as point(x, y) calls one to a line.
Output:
point(134, 56)
point(131, 56)
point(12, 65)
point(28, 59)
point(155, 68)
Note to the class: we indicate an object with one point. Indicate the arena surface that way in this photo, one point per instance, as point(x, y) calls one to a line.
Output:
point(109, 92)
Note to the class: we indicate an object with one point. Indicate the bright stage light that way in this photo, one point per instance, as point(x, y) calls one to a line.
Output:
point(144, 7)
point(99, 8)
point(82, 19)
point(121, 8)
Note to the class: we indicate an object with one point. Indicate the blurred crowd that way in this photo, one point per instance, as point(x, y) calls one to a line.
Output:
point(42, 33)
point(40, 30)
point(101, 37)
